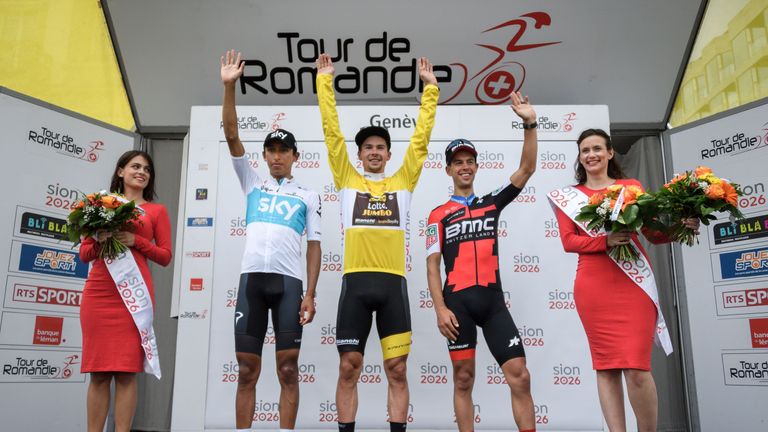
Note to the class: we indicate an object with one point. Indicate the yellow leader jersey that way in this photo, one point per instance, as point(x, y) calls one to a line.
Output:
point(374, 208)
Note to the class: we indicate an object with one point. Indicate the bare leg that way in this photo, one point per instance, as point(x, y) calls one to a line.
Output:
point(519, 380)
point(288, 375)
point(397, 388)
point(463, 382)
point(350, 366)
point(641, 390)
point(611, 398)
point(249, 367)
point(126, 393)
point(98, 400)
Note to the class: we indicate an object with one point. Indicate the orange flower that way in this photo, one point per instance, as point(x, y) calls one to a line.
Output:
point(677, 178)
point(730, 193)
point(630, 197)
point(701, 170)
point(109, 201)
point(597, 198)
point(715, 191)
point(79, 205)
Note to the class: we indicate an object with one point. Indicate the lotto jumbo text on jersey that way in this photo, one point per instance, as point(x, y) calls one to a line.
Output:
point(374, 209)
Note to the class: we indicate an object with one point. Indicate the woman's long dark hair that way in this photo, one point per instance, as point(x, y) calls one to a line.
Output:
point(614, 170)
point(117, 185)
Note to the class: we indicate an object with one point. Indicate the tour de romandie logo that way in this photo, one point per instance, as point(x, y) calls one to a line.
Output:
point(380, 210)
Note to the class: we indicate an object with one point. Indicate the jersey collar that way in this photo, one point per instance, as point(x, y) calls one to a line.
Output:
point(467, 201)
point(374, 176)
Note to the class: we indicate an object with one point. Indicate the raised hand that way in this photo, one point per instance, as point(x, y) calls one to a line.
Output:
point(425, 71)
point(523, 108)
point(324, 64)
point(231, 67)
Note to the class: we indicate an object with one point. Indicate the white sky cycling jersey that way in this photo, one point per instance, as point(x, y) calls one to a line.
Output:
point(276, 217)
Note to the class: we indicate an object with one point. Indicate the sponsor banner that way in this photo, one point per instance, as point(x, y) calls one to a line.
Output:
point(41, 225)
point(42, 295)
point(746, 263)
point(27, 366)
point(41, 329)
point(758, 331)
point(742, 299)
point(197, 254)
point(199, 222)
point(201, 194)
point(745, 369)
point(743, 231)
point(45, 260)
point(196, 284)
point(735, 146)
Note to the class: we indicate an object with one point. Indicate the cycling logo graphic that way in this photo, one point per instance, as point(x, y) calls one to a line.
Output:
point(502, 76)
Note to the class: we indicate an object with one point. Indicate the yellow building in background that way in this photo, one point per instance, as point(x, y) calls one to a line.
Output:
point(60, 51)
point(732, 69)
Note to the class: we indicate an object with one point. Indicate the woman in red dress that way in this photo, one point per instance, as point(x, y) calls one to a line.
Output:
point(618, 316)
point(111, 343)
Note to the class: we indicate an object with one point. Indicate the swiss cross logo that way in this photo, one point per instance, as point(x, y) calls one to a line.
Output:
point(48, 330)
point(196, 284)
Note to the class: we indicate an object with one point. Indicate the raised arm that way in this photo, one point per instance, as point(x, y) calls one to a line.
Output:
point(413, 162)
point(231, 69)
point(527, 167)
point(338, 157)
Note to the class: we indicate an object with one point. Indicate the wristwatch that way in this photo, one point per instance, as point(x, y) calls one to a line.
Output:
point(533, 125)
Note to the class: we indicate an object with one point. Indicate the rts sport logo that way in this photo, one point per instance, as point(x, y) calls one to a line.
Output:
point(46, 295)
point(64, 144)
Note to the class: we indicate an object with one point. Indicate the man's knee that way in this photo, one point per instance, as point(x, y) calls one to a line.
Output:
point(463, 379)
point(249, 368)
point(396, 370)
point(350, 366)
point(288, 373)
point(516, 373)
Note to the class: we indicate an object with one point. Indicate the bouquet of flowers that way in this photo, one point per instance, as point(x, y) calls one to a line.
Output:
point(697, 194)
point(619, 208)
point(103, 211)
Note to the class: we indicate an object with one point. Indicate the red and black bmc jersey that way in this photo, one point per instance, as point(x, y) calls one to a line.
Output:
point(465, 230)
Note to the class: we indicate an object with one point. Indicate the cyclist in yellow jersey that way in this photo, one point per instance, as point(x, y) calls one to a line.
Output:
point(375, 211)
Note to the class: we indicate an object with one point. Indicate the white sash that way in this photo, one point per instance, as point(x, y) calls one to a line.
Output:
point(135, 294)
point(570, 200)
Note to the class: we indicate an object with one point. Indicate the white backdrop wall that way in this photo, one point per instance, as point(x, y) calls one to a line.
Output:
point(725, 277)
point(50, 159)
point(537, 275)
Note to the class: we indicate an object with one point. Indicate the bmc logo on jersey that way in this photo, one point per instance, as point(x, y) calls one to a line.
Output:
point(469, 226)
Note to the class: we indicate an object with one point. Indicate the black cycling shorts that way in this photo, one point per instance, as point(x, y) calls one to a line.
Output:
point(485, 308)
point(366, 293)
point(256, 295)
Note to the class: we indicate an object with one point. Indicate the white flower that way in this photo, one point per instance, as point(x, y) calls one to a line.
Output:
point(601, 211)
point(704, 186)
point(606, 204)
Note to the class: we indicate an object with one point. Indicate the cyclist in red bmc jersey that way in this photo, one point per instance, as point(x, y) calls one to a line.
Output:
point(464, 232)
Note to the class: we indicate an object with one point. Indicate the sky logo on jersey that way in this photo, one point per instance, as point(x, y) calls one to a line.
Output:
point(199, 222)
point(51, 261)
point(283, 210)
point(745, 263)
